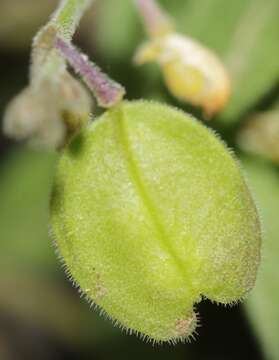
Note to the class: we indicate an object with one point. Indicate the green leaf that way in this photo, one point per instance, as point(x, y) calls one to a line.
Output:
point(262, 305)
point(25, 180)
point(29, 286)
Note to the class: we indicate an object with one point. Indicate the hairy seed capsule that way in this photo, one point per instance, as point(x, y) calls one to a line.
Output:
point(150, 213)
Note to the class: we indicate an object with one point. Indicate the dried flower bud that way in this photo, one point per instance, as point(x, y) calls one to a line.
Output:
point(150, 213)
point(192, 72)
point(49, 114)
point(261, 135)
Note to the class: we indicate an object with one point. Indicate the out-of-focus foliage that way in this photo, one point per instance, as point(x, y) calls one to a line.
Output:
point(20, 19)
point(46, 303)
point(29, 266)
point(244, 32)
point(117, 29)
point(262, 305)
point(24, 192)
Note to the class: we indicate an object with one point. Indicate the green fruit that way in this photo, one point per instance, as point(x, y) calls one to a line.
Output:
point(150, 213)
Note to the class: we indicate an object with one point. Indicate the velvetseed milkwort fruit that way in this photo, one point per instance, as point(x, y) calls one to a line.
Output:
point(150, 214)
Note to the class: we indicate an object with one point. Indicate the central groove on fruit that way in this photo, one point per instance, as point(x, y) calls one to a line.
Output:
point(143, 194)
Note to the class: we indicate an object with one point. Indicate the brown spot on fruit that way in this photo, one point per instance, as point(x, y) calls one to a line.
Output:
point(185, 326)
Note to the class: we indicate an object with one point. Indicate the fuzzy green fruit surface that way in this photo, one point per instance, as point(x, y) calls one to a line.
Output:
point(150, 213)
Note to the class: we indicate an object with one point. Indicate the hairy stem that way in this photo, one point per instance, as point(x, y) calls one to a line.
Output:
point(107, 92)
point(46, 61)
point(66, 18)
point(155, 20)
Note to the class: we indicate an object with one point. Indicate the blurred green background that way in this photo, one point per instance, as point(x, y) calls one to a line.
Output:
point(41, 314)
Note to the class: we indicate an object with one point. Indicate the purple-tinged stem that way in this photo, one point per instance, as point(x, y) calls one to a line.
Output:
point(156, 21)
point(107, 92)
